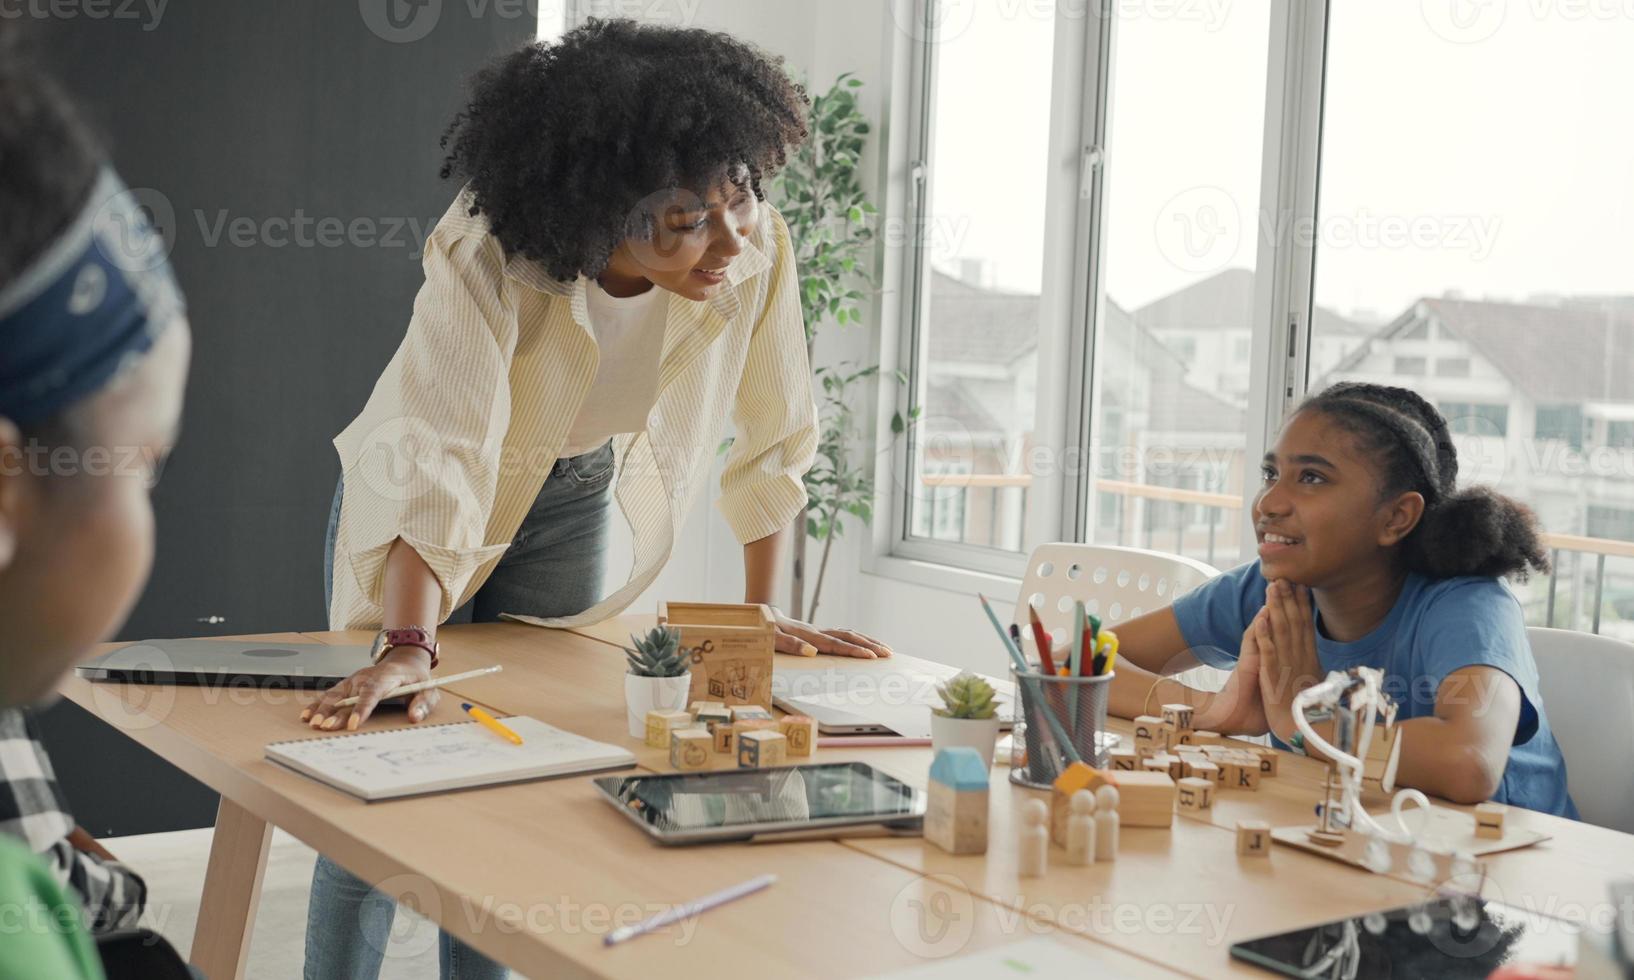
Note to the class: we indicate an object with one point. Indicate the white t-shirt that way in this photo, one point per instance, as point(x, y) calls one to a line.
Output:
point(629, 331)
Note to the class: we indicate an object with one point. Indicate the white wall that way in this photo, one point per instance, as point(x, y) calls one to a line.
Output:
point(820, 41)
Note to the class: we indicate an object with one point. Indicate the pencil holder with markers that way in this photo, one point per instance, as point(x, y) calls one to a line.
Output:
point(1060, 719)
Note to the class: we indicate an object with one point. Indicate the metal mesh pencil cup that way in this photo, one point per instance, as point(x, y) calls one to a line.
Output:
point(1078, 707)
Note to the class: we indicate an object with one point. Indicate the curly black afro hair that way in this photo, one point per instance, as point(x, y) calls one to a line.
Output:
point(561, 142)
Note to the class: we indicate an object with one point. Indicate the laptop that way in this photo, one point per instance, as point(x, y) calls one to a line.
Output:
point(872, 697)
point(227, 662)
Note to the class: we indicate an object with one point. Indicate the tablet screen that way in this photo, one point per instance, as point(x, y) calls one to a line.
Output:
point(764, 800)
point(1443, 939)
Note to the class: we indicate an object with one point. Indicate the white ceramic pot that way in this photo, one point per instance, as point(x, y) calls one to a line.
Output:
point(976, 733)
point(644, 694)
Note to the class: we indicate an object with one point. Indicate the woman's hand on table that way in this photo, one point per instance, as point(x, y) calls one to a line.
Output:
point(804, 639)
point(405, 665)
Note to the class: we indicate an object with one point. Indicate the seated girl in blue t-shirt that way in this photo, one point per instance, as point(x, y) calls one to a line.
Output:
point(1369, 555)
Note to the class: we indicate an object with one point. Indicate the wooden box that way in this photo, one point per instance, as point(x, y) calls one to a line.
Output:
point(730, 646)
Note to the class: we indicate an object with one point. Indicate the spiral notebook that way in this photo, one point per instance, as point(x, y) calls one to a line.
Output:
point(423, 759)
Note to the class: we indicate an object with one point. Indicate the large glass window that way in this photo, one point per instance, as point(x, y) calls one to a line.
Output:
point(1474, 203)
point(1443, 220)
point(982, 238)
point(1171, 367)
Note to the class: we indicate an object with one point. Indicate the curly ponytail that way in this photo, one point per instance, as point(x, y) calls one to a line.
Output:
point(1475, 531)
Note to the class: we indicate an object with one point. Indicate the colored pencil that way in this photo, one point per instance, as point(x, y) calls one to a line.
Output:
point(1041, 639)
point(398, 692)
point(1031, 684)
point(687, 910)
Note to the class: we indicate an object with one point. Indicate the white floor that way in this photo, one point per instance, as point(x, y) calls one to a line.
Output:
point(173, 865)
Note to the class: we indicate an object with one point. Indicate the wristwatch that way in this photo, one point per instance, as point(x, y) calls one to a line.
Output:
point(408, 636)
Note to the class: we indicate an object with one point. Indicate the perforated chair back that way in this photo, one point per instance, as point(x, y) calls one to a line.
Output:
point(1117, 584)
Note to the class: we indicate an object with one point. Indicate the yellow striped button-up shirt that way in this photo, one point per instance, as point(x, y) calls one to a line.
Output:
point(468, 418)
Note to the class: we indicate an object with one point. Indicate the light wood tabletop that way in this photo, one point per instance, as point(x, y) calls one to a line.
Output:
point(535, 874)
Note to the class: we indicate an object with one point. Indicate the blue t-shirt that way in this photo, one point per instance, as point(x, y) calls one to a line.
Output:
point(1437, 626)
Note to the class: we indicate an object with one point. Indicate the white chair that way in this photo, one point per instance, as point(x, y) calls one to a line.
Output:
point(1587, 686)
point(1116, 584)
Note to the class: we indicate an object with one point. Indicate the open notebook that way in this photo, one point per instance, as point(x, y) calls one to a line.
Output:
point(432, 758)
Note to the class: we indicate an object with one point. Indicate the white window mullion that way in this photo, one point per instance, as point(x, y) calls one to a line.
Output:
point(1079, 406)
point(1284, 227)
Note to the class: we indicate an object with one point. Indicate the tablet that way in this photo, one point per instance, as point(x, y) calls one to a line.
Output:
point(1442, 939)
point(745, 804)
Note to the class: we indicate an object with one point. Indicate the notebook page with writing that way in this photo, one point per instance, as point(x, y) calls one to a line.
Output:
point(398, 762)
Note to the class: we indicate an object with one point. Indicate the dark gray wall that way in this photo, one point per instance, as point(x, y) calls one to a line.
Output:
point(258, 114)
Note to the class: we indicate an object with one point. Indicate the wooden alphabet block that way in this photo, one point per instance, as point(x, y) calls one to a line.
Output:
point(956, 802)
point(1205, 738)
point(1489, 819)
point(749, 712)
point(1178, 716)
point(1204, 769)
point(1148, 731)
point(735, 732)
point(1268, 762)
point(1253, 838)
point(1194, 794)
point(713, 714)
point(1145, 799)
point(801, 732)
point(721, 732)
point(661, 723)
point(697, 706)
point(1181, 736)
point(1245, 774)
point(1123, 761)
point(1168, 763)
point(760, 748)
point(689, 748)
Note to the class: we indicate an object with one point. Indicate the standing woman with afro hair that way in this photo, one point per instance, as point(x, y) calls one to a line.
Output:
point(606, 290)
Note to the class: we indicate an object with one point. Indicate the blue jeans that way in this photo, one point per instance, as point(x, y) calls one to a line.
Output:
point(553, 568)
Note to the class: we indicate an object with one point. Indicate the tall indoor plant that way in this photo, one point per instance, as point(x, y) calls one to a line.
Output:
point(830, 220)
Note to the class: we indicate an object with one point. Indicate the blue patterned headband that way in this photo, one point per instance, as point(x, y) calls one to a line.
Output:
point(89, 306)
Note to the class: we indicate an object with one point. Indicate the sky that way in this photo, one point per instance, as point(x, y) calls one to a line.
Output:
point(1482, 146)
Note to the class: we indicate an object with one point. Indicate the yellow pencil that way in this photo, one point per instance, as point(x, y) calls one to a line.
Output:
point(491, 723)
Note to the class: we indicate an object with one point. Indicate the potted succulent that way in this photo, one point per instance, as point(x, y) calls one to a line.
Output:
point(968, 716)
point(659, 678)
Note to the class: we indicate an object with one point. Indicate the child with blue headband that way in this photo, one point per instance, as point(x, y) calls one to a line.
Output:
point(94, 347)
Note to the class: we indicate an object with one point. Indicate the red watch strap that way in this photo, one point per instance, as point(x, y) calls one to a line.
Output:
point(408, 636)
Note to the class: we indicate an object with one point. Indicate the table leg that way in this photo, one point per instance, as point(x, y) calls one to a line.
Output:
point(232, 890)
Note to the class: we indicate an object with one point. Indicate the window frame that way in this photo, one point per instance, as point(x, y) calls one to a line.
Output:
point(1060, 502)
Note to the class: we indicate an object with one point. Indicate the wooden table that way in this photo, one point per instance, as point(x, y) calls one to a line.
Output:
point(535, 874)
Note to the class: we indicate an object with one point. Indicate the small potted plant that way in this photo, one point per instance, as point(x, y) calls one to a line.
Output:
point(968, 716)
point(659, 678)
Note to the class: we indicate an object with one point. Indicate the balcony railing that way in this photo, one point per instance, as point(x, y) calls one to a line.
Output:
point(1140, 525)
